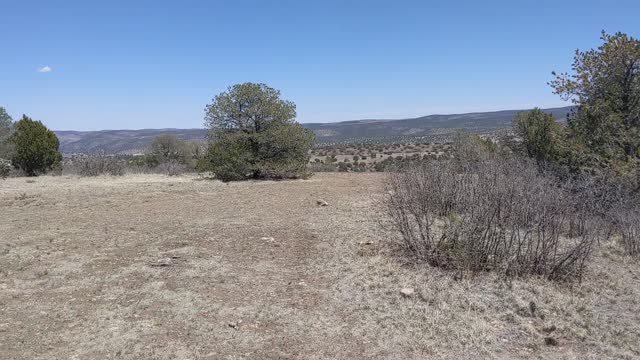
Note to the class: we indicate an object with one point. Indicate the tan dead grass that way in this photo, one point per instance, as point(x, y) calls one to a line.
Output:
point(78, 279)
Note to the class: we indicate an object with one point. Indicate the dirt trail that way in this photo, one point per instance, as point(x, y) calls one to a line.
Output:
point(169, 268)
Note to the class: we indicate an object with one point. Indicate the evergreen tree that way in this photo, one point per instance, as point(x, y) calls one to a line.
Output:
point(35, 147)
point(253, 134)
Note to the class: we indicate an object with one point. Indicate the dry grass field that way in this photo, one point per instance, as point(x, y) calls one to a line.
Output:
point(154, 267)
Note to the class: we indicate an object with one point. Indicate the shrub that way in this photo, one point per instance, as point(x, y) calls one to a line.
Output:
point(95, 165)
point(171, 168)
point(168, 148)
point(627, 226)
point(5, 168)
point(322, 167)
point(540, 134)
point(35, 147)
point(498, 215)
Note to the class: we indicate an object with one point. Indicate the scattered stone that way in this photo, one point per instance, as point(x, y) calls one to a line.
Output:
point(532, 308)
point(322, 202)
point(163, 262)
point(549, 341)
point(549, 329)
point(407, 292)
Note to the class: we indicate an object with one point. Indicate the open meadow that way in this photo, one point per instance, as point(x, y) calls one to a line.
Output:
point(157, 267)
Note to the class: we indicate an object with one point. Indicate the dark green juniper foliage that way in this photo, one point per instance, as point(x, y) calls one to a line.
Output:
point(35, 147)
point(6, 129)
point(540, 133)
point(253, 134)
point(605, 86)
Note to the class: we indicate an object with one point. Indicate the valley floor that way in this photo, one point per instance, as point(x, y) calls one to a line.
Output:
point(154, 267)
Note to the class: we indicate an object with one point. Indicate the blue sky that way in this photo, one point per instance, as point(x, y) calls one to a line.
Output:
point(156, 64)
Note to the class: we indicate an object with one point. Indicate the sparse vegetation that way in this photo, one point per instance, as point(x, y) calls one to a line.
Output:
point(171, 168)
point(95, 165)
point(627, 227)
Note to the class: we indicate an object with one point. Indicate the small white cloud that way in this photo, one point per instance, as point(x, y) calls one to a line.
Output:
point(44, 69)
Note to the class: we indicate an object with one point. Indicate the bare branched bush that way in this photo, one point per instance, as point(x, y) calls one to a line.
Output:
point(496, 214)
point(95, 165)
point(626, 223)
point(171, 168)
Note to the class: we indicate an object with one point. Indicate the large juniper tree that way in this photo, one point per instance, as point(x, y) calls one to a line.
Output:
point(253, 134)
point(605, 86)
point(36, 147)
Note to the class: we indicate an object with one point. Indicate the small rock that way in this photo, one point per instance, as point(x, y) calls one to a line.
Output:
point(366, 242)
point(407, 292)
point(549, 341)
point(322, 202)
point(549, 329)
point(233, 325)
point(163, 262)
point(532, 308)
point(267, 238)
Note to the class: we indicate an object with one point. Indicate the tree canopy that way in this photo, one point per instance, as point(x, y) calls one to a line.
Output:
point(253, 134)
point(605, 86)
point(249, 108)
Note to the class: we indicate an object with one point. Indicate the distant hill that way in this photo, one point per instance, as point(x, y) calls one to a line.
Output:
point(118, 141)
point(371, 130)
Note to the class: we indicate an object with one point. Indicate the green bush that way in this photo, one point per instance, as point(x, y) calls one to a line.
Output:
point(253, 135)
point(35, 147)
point(5, 168)
point(541, 135)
